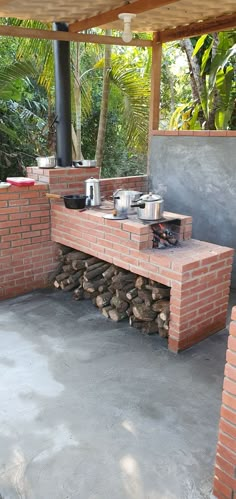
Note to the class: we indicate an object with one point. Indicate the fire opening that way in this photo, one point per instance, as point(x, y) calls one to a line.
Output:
point(164, 237)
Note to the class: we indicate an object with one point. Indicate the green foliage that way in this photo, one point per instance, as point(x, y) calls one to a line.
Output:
point(22, 118)
point(216, 57)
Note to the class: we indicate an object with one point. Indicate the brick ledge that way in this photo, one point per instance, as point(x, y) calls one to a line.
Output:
point(195, 133)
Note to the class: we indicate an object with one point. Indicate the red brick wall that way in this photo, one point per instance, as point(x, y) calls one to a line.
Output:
point(27, 254)
point(63, 180)
point(225, 468)
point(71, 180)
point(197, 272)
point(109, 185)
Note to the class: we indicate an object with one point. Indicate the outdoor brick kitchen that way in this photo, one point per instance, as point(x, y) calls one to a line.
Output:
point(197, 272)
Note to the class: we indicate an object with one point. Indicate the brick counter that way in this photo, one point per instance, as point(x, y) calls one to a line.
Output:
point(197, 272)
point(27, 255)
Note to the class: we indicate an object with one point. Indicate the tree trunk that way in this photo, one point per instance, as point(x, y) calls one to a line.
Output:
point(104, 105)
point(210, 124)
point(196, 79)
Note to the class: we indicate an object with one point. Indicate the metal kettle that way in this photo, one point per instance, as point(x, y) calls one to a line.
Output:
point(92, 191)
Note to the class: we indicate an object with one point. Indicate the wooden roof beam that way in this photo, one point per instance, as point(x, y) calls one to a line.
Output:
point(137, 7)
point(69, 37)
point(221, 23)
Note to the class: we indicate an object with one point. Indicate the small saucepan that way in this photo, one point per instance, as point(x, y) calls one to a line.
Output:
point(71, 201)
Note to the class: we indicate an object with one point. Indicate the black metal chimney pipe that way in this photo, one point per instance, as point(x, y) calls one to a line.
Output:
point(63, 98)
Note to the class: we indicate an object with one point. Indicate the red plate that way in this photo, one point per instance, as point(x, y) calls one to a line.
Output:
point(20, 181)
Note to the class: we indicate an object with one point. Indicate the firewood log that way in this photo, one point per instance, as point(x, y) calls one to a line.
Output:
point(61, 277)
point(129, 311)
point(88, 276)
point(63, 284)
point(117, 316)
point(119, 304)
point(123, 278)
point(159, 322)
point(144, 313)
point(159, 293)
point(53, 274)
point(76, 255)
point(122, 293)
point(91, 261)
point(132, 294)
point(91, 296)
point(95, 266)
point(146, 296)
point(63, 250)
point(150, 328)
point(135, 322)
point(111, 289)
point(140, 282)
point(106, 310)
point(137, 301)
point(78, 294)
point(78, 264)
point(163, 333)
point(165, 314)
point(91, 286)
point(69, 287)
point(104, 299)
point(75, 277)
point(67, 269)
point(110, 272)
point(56, 284)
point(161, 306)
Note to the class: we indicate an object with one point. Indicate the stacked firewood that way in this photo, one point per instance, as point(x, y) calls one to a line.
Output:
point(118, 293)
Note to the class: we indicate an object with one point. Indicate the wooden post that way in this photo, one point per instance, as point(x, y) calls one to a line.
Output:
point(155, 84)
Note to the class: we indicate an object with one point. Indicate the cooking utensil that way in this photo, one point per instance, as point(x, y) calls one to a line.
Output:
point(71, 201)
point(150, 207)
point(123, 200)
point(89, 162)
point(92, 190)
point(46, 161)
point(4, 185)
point(77, 163)
point(21, 181)
point(110, 216)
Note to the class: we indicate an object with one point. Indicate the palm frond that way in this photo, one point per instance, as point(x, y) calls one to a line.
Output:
point(19, 69)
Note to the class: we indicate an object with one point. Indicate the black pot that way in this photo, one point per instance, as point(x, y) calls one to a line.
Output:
point(75, 201)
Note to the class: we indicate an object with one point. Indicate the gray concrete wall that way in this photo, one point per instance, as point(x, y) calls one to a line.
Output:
point(197, 176)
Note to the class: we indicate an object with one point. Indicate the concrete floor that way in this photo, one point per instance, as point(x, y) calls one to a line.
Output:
point(94, 410)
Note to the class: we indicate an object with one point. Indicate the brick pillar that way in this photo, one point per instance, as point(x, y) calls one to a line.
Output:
point(225, 468)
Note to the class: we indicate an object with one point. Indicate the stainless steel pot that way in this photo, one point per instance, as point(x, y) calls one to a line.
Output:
point(150, 207)
point(92, 192)
point(123, 200)
point(46, 161)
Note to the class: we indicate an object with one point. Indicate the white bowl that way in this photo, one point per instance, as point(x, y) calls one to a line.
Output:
point(4, 185)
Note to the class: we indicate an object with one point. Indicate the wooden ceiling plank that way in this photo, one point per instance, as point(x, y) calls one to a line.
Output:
point(221, 23)
point(137, 7)
point(66, 36)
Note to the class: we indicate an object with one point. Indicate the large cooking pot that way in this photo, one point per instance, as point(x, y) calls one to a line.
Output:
point(123, 200)
point(150, 207)
point(71, 201)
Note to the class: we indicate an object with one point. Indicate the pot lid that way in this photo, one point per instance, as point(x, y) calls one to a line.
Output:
point(151, 197)
point(126, 191)
point(92, 179)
